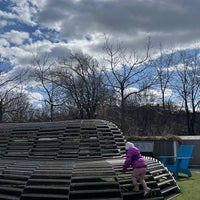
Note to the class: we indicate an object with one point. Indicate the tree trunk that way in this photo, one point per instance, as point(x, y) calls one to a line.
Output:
point(1, 112)
point(122, 113)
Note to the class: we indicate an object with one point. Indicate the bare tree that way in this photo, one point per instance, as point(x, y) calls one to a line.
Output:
point(82, 78)
point(44, 74)
point(10, 85)
point(18, 106)
point(187, 84)
point(164, 73)
point(126, 73)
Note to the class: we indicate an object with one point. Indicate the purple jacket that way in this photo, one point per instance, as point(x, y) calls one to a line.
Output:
point(134, 159)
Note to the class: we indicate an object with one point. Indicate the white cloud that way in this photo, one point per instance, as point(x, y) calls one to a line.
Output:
point(24, 11)
point(157, 93)
point(38, 33)
point(38, 106)
point(4, 43)
point(7, 15)
point(16, 37)
point(151, 94)
point(92, 47)
point(35, 97)
point(3, 23)
point(131, 89)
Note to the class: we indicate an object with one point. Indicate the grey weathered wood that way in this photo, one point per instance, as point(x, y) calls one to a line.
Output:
point(75, 159)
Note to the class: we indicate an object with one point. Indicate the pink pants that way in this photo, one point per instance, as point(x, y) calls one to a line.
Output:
point(138, 174)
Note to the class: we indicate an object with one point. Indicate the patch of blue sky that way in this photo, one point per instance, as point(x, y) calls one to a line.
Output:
point(51, 35)
point(186, 55)
point(176, 57)
point(4, 5)
point(37, 89)
point(38, 33)
point(5, 66)
point(32, 89)
point(15, 24)
point(8, 25)
point(88, 37)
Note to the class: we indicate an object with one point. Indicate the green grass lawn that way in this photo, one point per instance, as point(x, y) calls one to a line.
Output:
point(189, 187)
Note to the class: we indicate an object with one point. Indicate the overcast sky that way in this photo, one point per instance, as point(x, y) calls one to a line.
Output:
point(57, 26)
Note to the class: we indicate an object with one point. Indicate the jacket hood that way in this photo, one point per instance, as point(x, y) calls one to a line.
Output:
point(128, 145)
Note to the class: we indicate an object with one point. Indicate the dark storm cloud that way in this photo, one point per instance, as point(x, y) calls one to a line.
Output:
point(162, 18)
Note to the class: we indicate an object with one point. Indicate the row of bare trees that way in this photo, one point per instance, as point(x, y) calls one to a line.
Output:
point(79, 86)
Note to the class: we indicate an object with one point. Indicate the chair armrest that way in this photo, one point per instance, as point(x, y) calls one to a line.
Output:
point(164, 159)
point(167, 156)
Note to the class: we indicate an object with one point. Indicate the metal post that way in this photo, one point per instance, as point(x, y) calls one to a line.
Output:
point(175, 149)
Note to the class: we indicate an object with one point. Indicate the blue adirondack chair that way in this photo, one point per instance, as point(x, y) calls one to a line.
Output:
point(181, 162)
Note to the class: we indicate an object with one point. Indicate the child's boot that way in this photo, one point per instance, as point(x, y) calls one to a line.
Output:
point(146, 191)
point(136, 188)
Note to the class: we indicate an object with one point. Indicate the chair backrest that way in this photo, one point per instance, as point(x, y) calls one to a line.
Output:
point(185, 151)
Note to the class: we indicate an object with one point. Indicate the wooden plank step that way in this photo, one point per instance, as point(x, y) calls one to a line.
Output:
point(11, 189)
point(161, 176)
point(33, 196)
point(154, 194)
point(172, 196)
point(14, 176)
point(132, 194)
point(94, 185)
point(96, 170)
point(14, 153)
point(65, 155)
point(150, 198)
point(154, 168)
point(49, 181)
point(169, 189)
point(43, 157)
point(100, 198)
point(51, 172)
point(12, 182)
point(41, 189)
point(44, 151)
point(8, 197)
point(52, 176)
point(86, 175)
point(95, 193)
point(17, 149)
point(50, 187)
point(158, 171)
point(90, 178)
point(168, 181)
point(26, 167)
point(45, 178)
point(18, 172)
point(51, 129)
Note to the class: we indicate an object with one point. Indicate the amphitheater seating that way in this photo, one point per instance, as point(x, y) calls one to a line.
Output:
point(72, 160)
